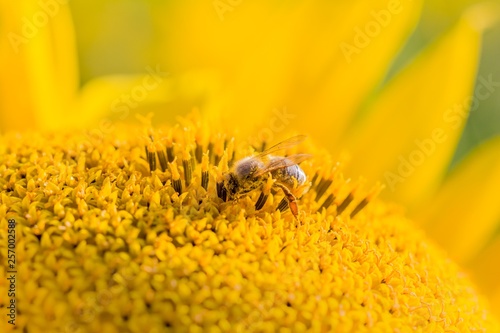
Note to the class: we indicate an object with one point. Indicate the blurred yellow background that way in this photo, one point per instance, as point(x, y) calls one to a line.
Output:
point(116, 37)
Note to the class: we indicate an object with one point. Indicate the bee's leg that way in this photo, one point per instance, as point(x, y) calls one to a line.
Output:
point(261, 201)
point(292, 201)
point(283, 205)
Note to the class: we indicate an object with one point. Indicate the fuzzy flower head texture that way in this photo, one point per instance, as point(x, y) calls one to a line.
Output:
point(274, 167)
point(129, 234)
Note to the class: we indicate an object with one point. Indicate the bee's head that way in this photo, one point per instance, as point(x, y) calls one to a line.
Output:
point(231, 185)
point(240, 179)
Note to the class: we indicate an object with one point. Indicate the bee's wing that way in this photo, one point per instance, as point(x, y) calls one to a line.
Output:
point(282, 162)
point(290, 142)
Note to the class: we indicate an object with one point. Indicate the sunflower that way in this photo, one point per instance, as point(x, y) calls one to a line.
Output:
point(125, 227)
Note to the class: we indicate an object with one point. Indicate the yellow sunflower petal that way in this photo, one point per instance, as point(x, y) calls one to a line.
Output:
point(304, 60)
point(465, 212)
point(412, 129)
point(485, 269)
point(39, 71)
point(360, 63)
point(65, 55)
point(116, 98)
point(444, 11)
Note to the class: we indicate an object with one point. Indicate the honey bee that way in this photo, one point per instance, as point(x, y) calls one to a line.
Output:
point(252, 172)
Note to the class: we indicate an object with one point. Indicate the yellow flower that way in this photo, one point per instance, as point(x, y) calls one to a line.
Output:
point(112, 237)
point(320, 67)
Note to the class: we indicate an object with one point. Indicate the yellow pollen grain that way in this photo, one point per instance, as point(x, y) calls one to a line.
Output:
point(205, 162)
point(223, 164)
point(186, 154)
point(174, 169)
